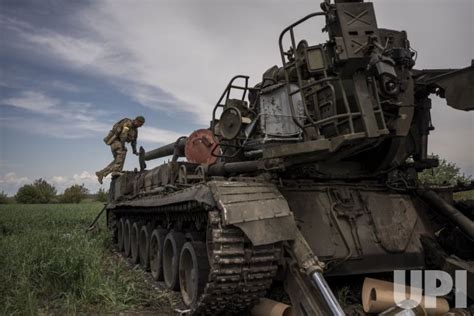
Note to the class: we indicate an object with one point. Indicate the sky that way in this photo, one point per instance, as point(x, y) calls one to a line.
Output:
point(70, 69)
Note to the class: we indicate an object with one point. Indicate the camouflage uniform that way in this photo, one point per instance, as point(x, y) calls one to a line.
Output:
point(122, 132)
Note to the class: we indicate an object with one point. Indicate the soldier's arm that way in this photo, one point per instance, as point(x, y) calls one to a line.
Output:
point(124, 132)
point(134, 143)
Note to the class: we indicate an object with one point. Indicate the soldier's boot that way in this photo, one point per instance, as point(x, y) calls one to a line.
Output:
point(117, 174)
point(100, 176)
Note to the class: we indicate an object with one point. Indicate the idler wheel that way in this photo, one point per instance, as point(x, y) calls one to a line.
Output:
point(157, 241)
point(171, 251)
point(126, 238)
point(144, 247)
point(134, 235)
point(120, 231)
point(193, 271)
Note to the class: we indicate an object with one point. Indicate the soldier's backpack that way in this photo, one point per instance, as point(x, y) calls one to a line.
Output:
point(112, 135)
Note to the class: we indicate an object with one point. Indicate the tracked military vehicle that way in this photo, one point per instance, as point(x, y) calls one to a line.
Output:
point(309, 175)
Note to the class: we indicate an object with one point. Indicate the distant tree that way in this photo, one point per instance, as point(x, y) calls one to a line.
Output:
point(74, 194)
point(447, 173)
point(40, 191)
point(45, 190)
point(28, 194)
point(3, 198)
point(102, 195)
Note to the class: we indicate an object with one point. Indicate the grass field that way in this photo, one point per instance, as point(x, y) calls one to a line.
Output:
point(48, 264)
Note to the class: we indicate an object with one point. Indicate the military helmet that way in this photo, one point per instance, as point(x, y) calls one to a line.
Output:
point(140, 119)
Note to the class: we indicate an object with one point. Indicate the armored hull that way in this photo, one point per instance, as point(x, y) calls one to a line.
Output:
point(310, 174)
point(239, 228)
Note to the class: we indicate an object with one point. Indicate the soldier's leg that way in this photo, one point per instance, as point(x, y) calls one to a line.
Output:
point(117, 149)
point(119, 159)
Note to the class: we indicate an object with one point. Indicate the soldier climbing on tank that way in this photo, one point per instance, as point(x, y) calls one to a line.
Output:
point(124, 131)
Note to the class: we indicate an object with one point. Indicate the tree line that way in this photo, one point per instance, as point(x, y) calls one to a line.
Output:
point(42, 192)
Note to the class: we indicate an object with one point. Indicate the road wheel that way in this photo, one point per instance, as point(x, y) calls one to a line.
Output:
point(174, 242)
point(157, 241)
point(126, 238)
point(134, 235)
point(120, 231)
point(193, 271)
point(144, 247)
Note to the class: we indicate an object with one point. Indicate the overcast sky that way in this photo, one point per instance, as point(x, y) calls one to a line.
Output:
point(70, 69)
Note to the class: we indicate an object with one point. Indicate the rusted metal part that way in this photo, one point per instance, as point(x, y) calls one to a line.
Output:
point(199, 147)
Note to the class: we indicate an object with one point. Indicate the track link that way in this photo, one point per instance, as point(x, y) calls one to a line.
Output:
point(240, 273)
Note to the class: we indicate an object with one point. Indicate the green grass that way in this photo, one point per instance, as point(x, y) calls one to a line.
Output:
point(464, 195)
point(48, 264)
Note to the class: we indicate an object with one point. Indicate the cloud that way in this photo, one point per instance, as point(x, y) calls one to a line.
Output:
point(81, 51)
point(157, 135)
point(33, 101)
point(452, 138)
point(102, 57)
point(59, 179)
point(61, 119)
point(10, 182)
point(158, 53)
point(64, 86)
point(70, 119)
point(85, 177)
point(151, 97)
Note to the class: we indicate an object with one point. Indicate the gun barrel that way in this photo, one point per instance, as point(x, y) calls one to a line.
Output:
point(166, 150)
point(440, 205)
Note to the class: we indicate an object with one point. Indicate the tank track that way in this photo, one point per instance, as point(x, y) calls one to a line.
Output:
point(240, 273)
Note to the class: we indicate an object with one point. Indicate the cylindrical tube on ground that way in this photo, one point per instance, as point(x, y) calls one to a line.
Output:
point(267, 307)
point(378, 296)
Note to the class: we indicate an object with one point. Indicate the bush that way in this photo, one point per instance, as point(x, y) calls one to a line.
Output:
point(38, 192)
point(102, 195)
point(74, 194)
point(46, 190)
point(3, 198)
point(28, 194)
point(447, 173)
